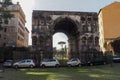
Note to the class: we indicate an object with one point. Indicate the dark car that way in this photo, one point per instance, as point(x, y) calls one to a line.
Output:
point(97, 60)
point(116, 58)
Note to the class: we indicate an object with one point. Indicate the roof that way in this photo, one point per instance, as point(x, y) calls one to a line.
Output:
point(112, 4)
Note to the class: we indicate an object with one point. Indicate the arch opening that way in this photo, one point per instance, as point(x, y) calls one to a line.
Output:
point(60, 51)
point(68, 27)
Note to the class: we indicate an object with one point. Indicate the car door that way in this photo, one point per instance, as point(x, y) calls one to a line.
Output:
point(47, 63)
point(28, 62)
point(22, 63)
point(52, 62)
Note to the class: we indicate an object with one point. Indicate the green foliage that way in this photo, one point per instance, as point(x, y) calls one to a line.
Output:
point(61, 54)
point(116, 45)
point(105, 45)
point(4, 13)
point(20, 49)
point(61, 42)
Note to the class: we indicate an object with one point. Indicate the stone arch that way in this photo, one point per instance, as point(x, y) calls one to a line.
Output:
point(60, 19)
point(51, 24)
point(71, 29)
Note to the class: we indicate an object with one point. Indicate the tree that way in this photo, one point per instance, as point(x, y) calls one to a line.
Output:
point(116, 45)
point(61, 43)
point(62, 51)
point(4, 12)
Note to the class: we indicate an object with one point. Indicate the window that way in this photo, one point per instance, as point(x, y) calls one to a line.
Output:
point(90, 39)
point(21, 25)
point(34, 40)
point(14, 7)
point(5, 29)
point(21, 33)
point(89, 19)
point(4, 44)
point(28, 61)
point(83, 18)
point(22, 61)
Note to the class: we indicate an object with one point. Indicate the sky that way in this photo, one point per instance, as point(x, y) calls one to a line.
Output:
point(60, 5)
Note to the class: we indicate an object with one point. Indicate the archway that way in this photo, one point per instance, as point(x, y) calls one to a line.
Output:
point(68, 27)
point(57, 37)
point(80, 28)
point(60, 46)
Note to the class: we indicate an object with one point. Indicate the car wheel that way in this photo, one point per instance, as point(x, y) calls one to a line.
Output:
point(31, 66)
point(104, 63)
point(43, 66)
point(16, 66)
point(57, 65)
point(79, 65)
point(69, 65)
point(91, 64)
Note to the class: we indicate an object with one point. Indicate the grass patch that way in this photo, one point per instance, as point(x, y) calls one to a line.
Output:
point(102, 72)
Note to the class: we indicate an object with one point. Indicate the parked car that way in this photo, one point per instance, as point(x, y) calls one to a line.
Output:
point(74, 62)
point(116, 58)
point(8, 63)
point(50, 63)
point(97, 60)
point(24, 63)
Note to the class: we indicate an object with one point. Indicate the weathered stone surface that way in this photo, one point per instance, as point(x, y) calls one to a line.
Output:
point(80, 27)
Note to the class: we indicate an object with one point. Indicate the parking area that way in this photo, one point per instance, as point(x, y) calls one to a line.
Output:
point(99, 72)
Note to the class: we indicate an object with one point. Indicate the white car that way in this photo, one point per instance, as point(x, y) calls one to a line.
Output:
point(50, 63)
point(24, 63)
point(74, 62)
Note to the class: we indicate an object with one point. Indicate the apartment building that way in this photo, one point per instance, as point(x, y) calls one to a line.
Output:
point(15, 33)
point(109, 24)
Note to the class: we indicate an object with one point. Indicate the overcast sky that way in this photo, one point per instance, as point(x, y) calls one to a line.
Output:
point(62, 5)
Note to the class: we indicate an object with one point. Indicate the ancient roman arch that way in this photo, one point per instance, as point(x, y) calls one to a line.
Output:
point(80, 27)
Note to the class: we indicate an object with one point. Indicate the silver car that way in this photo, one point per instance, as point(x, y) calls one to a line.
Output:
point(24, 63)
point(8, 63)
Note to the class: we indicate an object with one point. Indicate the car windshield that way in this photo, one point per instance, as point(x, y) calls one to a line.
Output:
point(8, 61)
point(23, 61)
point(51, 60)
point(73, 59)
point(116, 56)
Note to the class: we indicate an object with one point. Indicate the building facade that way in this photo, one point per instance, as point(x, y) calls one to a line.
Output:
point(109, 24)
point(14, 33)
point(81, 29)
